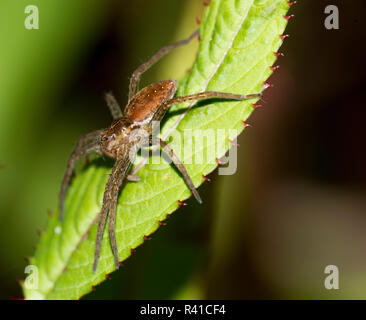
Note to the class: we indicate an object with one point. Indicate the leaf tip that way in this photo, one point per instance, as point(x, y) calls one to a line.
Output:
point(146, 238)
point(289, 17)
point(181, 203)
point(218, 161)
point(274, 68)
point(245, 124)
point(267, 85)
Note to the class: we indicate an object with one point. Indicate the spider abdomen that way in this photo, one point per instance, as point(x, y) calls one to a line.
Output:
point(146, 102)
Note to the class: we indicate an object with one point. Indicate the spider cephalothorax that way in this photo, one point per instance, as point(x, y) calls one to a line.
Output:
point(129, 132)
point(114, 136)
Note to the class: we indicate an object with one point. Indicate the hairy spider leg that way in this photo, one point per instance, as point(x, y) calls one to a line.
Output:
point(102, 220)
point(212, 94)
point(169, 151)
point(81, 150)
point(135, 78)
point(160, 113)
point(113, 105)
point(115, 179)
point(119, 177)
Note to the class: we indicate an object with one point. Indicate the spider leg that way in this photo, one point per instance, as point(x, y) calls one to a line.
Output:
point(101, 224)
point(169, 151)
point(113, 105)
point(212, 94)
point(85, 145)
point(200, 96)
point(115, 179)
point(135, 78)
point(124, 165)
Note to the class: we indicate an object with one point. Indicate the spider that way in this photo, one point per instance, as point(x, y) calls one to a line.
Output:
point(121, 141)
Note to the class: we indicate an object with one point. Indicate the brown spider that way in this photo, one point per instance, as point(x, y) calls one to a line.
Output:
point(128, 133)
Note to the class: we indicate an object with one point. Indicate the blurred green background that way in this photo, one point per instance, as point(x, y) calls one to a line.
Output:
point(297, 202)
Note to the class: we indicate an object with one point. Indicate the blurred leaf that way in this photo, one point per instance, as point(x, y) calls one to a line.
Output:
point(238, 39)
point(36, 67)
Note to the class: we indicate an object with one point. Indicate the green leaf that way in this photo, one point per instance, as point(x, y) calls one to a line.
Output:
point(238, 41)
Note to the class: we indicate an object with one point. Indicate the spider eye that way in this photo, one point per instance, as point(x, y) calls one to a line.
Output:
point(104, 138)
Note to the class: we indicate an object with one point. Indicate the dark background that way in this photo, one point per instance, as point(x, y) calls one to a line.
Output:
point(297, 202)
